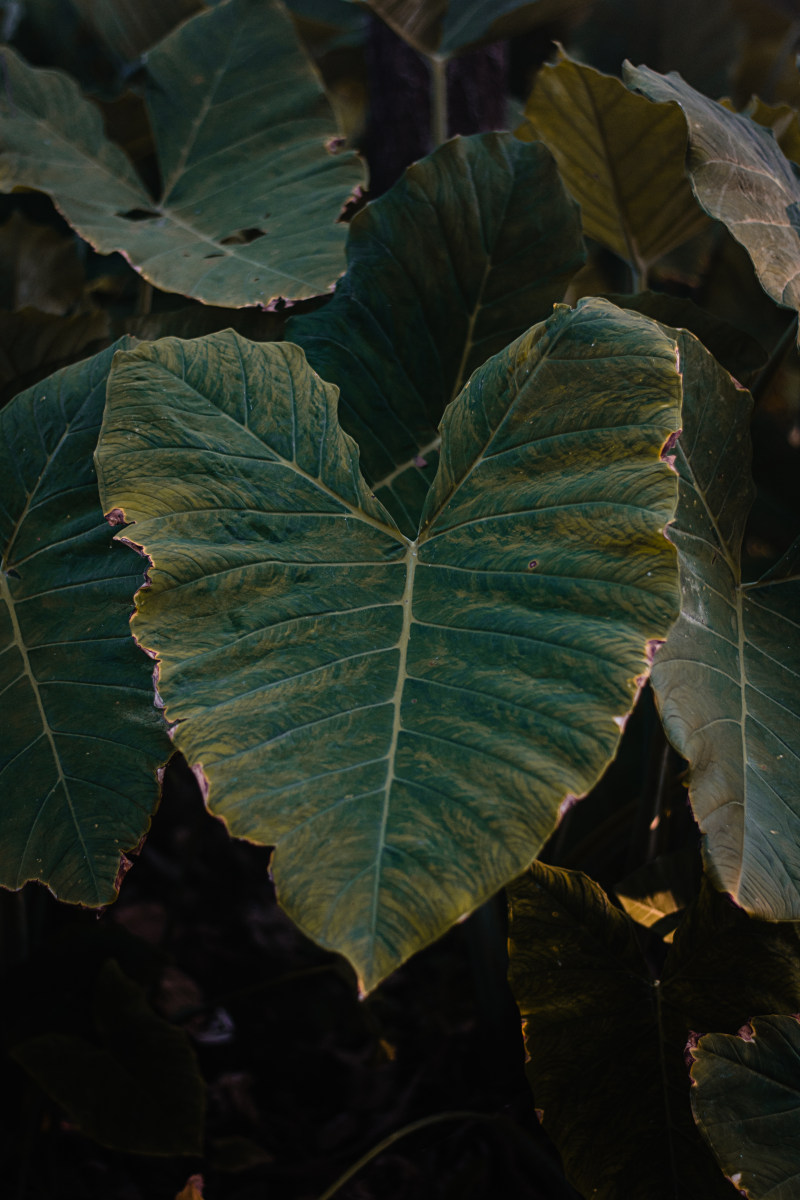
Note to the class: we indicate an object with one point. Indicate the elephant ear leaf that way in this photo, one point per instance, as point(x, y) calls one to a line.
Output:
point(726, 680)
point(468, 250)
point(251, 191)
point(741, 178)
point(80, 738)
point(401, 716)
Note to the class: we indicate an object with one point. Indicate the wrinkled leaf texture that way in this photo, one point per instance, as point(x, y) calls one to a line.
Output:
point(402, 717)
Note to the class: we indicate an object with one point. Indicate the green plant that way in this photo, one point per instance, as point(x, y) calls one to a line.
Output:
point(412, 559)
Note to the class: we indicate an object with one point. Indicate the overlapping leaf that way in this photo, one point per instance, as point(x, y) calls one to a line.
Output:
point(740, 176)
point(620, 157)
point(80, 740)
point(746, 1100)
point(727, 679)
point(606, 1039)
point(468, 250)
point(250, 191)
point(403, 718)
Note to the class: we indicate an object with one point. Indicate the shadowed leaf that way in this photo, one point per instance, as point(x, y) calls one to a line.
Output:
point(250, 191)
point(471, 247)
point(606, 1039)
point(80, 738)
point(137, 1088)
point(746, 1101)
point(403, 718)
point(621, 157)
point(445, 27)
point(727, 679)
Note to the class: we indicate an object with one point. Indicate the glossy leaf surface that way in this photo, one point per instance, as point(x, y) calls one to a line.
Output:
point(137, 1088)
point(607, 1040)
point(250, 191)
point(403, 718)
point(469, 249)
point(746, 1100)
point(741, 178)
point(621, 157)
point(80, 739)
point(727, 679)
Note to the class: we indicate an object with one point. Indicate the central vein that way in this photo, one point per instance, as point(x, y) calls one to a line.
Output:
point(397, 699)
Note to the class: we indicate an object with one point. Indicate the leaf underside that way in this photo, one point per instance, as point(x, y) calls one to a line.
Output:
point(727, 679)
point(241, 125)
point(620, 156)
point(80, 738)
point(741, 178)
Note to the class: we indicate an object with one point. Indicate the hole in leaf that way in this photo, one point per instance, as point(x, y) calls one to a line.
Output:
point(139, 214)
point(242, 237)
point(216, 254)
point(12, 574)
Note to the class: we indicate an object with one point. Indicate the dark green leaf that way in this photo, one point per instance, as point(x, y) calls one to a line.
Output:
point(606, 1039)
point(250, 190)
point(81, 739)
point(403, 718)
point(469, 249)
point(746, 1100)
point(137, 1088)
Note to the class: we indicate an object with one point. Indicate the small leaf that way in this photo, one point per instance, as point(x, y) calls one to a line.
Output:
point(741, 178)
point(726, 680)
point(606, 1039)
point(469, 249)
point(403, 717)
point(137, 1088)
point(746, 1101)
point(250, 190)
point(81, 739)
point(620, 157)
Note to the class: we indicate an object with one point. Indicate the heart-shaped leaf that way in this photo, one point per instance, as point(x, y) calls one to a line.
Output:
point(445, 27)
point(741, 178)
point(402, 716)
point(727, 679)
point(607, 1039)
point(622, 159)
point(469, 249)
point(80, 739)
point(746, 1100)
point(250, 190)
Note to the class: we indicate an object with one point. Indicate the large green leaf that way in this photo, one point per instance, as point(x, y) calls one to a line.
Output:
point(470, 248)
point(136, 1087)
point(727, 679)
point(250, 190)
point(740, 176)
point(80, 738)
point(403, 717)
point(621, 157)
point(607, 1039)
point(746, 1100)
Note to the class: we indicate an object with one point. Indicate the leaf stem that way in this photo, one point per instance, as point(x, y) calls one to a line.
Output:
point(438, 70)
point(434, 1119)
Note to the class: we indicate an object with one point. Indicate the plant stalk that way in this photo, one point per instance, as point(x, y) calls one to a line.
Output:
point(438, 70)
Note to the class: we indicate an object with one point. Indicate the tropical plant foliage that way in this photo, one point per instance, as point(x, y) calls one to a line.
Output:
point(404, 565)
